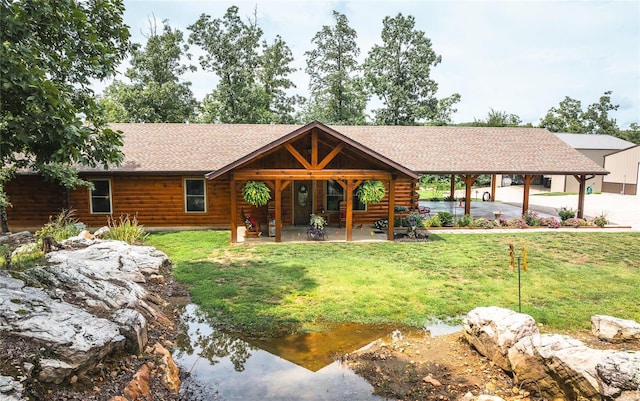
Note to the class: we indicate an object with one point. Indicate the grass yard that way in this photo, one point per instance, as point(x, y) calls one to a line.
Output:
point(303, 286)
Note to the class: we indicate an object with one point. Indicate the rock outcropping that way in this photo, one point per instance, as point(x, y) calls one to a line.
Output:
point(554, 366)
point(84, 305)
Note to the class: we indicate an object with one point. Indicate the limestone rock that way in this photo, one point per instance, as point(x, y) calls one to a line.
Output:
point(133, 327)
point(619, 376)
point(100, 232)
point(23, 237)
point(69, 333)
point(99, 278)
point(54, 371)
point(557, 365)
point(492, 331)
point(170, 373)
point(615, 330)
point(10, 389)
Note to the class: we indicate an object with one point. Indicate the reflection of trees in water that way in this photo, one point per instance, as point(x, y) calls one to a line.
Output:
point(213, 344)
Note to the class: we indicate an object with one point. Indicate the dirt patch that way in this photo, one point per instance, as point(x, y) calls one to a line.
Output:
point(421, 367)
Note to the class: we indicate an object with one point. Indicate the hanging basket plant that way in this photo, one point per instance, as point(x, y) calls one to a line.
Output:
point(256, 193)
point(370, 191)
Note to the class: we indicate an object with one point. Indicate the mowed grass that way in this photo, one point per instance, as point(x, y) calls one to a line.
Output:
point(301, 286)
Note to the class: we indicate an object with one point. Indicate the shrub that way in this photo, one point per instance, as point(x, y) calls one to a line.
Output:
point(464, 221)
point(531, 218)
point(446, 218)
point(435, 199)
point(418, 217)
point(517, 223)
point(449, 198)
point(434, 221)
point(566, 213)
point(484, 223)
point(125, 229)
point(550, 222)
point(601, 221)
point(63, 226)
point(575, 222)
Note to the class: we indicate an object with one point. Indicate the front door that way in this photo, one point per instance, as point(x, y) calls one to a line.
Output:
point(302, 202)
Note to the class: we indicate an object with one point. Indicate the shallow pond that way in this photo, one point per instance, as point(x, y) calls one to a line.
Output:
point(296, 367)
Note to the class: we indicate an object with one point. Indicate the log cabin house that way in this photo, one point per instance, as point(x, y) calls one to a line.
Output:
point(188, 176)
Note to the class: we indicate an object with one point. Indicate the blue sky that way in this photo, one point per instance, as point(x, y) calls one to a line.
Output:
point(520, 57)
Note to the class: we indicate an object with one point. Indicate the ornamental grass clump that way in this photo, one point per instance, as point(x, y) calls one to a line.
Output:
point(63, 226)
point(125, 229)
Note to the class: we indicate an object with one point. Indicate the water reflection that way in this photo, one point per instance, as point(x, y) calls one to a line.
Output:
point(299, 367)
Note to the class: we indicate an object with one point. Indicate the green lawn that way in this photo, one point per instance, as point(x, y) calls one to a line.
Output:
point(258, 288)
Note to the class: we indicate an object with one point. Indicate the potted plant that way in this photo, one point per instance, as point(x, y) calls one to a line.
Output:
point(316, 229)
point(370, 191)
point(256, 193)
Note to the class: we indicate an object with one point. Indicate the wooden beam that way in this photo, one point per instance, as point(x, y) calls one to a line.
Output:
point(526, 180)
point(278, 193)
point(469, 179)
point(314, 149)
point(392, 204)
point(582, 179)
point(234, 211)
point(493, 187)
point(349, 211)
point(301, 174)
point(327, 159)
point(298, 156)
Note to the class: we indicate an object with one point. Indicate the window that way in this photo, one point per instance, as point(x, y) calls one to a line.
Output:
point(335, 194)
point(194, 195)
point(100, 197)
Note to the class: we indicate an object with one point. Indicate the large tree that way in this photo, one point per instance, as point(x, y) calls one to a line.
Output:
point(253, 75)
point(569, 117)
point(50, 52)
point(398, 72)
point(337, 90)
point(155, 92)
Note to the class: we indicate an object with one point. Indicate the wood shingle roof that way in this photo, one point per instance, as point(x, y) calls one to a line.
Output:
point(191, 148)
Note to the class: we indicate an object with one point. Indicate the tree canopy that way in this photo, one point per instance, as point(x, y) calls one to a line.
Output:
point(569, 117)
point(253, 75)
point(50, 52)
point(156, 92)
point(398, 72)
point(498, 118)
point(336, 89)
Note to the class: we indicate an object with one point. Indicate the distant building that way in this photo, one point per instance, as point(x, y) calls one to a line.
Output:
point(593, 146)
point(624, 166)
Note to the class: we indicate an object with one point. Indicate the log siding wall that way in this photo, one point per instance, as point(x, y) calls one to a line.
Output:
point(158, 202)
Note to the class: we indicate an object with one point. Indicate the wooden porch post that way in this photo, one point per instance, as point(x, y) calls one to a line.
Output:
point(468, 182)
point(278, 216)
point(526, 179)
point(452, 187)
point(234, 212)
point(582, 179)
point(392, 204)
point(493, 187)
point(349, 211)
